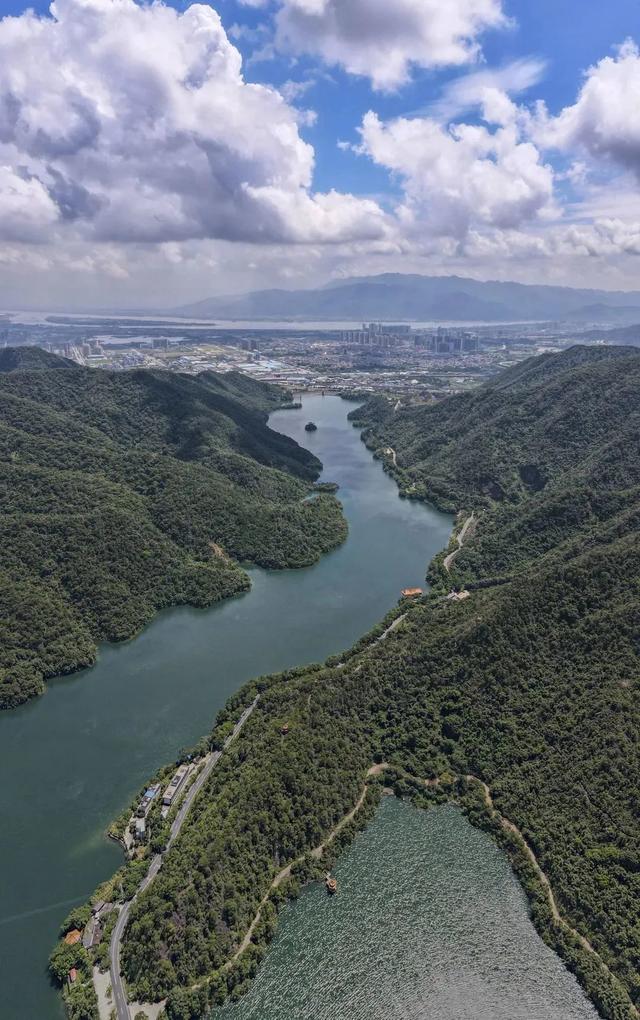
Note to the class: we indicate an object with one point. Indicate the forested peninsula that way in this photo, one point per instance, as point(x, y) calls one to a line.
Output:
point(123, 493)
point(519, 701)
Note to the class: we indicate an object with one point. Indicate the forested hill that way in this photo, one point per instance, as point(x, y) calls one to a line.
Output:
point(569, 419)
point(126, 492)
point(531, 685)
point(23, 359)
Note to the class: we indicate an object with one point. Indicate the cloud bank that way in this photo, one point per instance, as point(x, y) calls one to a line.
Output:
point(121, 122)
point(131, 144)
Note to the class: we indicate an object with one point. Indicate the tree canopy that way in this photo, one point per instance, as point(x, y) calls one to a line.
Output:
point(123, 493)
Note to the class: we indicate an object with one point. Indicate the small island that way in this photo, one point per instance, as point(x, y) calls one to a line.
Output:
point(311, 427)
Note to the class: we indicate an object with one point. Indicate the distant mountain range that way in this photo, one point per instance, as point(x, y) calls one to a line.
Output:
point(423, 298)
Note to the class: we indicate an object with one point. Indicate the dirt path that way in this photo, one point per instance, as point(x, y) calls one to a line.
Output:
point(390, 629)
point(317, 852)
point(546, 884)
point(390, 452)
point(460, 537)
point(383, 637)
point(379, 769)
point(544, 881)
point(510, 827)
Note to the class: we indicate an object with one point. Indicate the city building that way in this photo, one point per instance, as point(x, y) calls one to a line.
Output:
point(376, 334)
point(148, 798)
point(447, 341)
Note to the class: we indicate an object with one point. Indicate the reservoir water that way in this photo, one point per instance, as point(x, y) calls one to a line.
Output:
point(429, 923)
point(70, 761)
point(429, 920)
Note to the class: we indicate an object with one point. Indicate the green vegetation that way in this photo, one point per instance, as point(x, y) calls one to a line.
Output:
point(123, 493)
point(531, 685)
point(79, 996)
point(546, 421)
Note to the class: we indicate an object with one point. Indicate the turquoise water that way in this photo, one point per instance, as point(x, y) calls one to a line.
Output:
point(428, 922)
point(70, 761)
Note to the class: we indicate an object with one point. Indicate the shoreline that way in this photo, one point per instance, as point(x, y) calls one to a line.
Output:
point(453, 786)
point(49, 679)
point(563, 942)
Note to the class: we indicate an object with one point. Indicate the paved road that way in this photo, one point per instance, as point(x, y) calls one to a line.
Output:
point(119, 995)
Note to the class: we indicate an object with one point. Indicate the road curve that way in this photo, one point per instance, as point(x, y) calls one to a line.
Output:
point(460, 537)
point(120, 1002)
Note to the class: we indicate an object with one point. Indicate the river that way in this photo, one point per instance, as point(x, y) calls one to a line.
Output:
point(429, 919)
point(71, 760)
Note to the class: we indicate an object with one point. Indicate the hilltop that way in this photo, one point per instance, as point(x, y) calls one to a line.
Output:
point(31, 359)
point(126, 492)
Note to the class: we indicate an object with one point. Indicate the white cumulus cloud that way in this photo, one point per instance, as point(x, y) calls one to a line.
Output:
point(127, 122)
point(382, 39)
point(464, 176)
point(605, 119)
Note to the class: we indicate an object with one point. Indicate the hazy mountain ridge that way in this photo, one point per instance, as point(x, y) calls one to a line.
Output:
point(422, 298)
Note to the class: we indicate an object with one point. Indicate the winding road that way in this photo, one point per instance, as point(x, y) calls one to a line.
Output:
point(120, 1002)
point(460, 537)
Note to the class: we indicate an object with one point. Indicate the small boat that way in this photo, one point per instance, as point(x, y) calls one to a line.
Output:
point(332, 885)
point(311, 427)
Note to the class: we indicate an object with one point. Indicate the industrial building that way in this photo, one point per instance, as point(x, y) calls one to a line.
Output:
point(175, 785)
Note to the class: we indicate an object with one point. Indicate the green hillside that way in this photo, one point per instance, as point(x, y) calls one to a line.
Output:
point(531, 686)
point(562, 419)
point(126, 492)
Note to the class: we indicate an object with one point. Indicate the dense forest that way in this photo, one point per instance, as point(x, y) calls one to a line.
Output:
point(569, 418)
point(126, 492)
point(531, 685)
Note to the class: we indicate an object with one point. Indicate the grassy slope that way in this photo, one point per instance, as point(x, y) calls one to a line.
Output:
point(117, 490)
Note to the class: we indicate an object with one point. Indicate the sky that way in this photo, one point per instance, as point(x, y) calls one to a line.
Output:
point(155, 154)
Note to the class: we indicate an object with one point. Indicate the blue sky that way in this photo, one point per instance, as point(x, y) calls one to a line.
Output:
point(491, 138)
point(568, 36)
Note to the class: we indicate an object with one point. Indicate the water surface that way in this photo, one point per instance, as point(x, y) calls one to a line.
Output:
point(70, 761)
point(429, 922)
